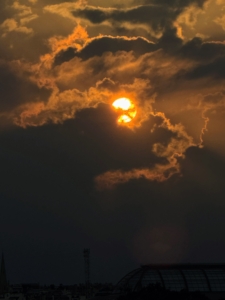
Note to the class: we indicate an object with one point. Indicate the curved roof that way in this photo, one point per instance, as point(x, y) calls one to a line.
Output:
point(201, 277)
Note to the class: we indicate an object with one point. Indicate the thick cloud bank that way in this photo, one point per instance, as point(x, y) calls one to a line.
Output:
point(155, 52)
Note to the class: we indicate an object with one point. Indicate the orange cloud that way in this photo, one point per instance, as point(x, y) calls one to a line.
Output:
point(10, 25)
point(110, 179)
point(75, 40)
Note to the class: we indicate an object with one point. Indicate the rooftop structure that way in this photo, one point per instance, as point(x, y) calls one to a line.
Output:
point(189, 277)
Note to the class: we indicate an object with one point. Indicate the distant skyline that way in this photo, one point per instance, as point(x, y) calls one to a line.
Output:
point(137, 185)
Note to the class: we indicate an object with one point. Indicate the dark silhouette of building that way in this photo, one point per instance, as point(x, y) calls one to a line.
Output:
point(3, 279)
point(208, 280)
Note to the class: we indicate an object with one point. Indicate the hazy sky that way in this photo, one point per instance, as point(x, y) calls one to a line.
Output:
point(148, 191)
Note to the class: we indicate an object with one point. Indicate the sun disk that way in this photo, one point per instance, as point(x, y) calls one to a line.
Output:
point(126, 110)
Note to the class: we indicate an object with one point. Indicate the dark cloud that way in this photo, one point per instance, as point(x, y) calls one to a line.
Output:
point(169, 41)
point(52, 170)
point(200, 50)
point(157, 14)
point(73, 177)
point(52, 2)
point(158, 17)
point(214, 70)
point(208, 174)
point(208, 57)
point(98, 46)
point(16, 88)
point(173, 3)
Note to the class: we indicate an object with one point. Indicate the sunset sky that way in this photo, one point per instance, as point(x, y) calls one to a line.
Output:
point(136, 186)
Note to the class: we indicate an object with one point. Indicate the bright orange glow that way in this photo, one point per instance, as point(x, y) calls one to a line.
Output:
point(126, 109)
point(124, 119)
point(123, 103)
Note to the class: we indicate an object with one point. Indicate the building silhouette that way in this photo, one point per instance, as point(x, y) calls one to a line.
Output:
point(207, 280)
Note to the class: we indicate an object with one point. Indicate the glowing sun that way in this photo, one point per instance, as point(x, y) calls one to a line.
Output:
point(126, 110)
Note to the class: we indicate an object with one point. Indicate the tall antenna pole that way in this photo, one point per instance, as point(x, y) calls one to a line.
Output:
point(3, 280)
point(87, 271)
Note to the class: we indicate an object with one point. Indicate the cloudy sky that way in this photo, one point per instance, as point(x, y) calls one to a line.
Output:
point(147, 191)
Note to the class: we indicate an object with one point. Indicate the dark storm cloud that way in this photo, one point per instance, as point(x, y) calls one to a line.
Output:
point(173, 3)
point(163, 170)
point(149, 14)
point(183, 206)
point(157, 17)
point(207, 178)
point(98, 46)
point(202, 51)
point(16, 88)
point(52, 2)
point(42, 3)
point(169, 41)
point(214, 70)
point(57, 212)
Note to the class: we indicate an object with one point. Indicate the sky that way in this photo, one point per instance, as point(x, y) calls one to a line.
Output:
point(73, 176)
